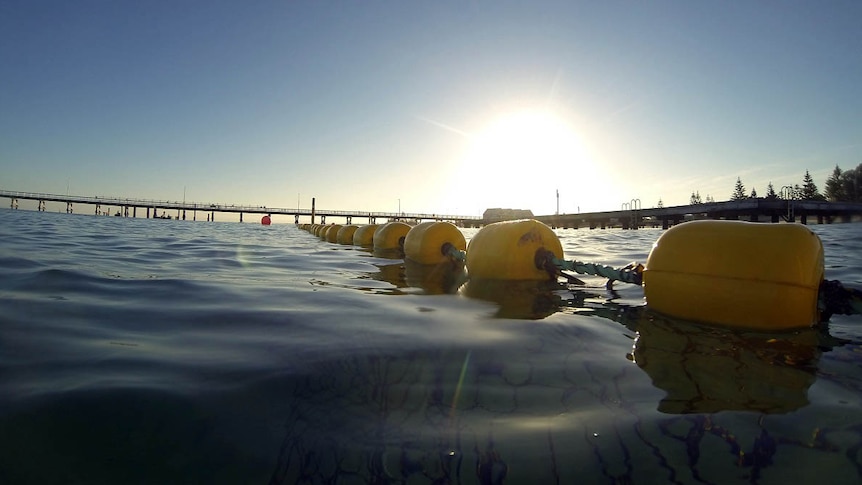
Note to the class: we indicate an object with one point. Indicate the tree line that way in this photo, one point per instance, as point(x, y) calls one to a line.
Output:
point(807, 191)
point(842, 186)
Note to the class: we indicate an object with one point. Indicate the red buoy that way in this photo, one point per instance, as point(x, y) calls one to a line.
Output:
point(265, 220)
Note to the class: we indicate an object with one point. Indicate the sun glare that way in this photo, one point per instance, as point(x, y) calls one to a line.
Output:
point(519, 161)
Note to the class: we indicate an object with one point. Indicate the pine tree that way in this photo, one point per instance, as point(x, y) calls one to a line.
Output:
point(695, 198)
point(753, 193)
point(834, 189)
point(770, 192)
point(738, 191)
point(660, 203)
point(809, 188)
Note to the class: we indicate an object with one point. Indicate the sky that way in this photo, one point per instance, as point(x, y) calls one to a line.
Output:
point(446, 107)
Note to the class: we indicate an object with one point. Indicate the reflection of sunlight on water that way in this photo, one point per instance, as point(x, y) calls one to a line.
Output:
point(243, 256)
point(459, 385)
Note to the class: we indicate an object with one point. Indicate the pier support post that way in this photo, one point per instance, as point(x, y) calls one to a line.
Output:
point(312, 210)
point(69, 209)
point(296, 219)
point(13, 204)
point(135, 211)
point(240, 217)
point(184, 214)
point(212, 216)
point(803, 218)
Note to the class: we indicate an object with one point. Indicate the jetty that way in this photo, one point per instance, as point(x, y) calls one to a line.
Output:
point(165, 209)
point(773, 210)
point(630, 215)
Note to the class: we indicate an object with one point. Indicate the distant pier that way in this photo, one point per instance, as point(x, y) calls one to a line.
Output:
point(164, 209)
point(631, 216)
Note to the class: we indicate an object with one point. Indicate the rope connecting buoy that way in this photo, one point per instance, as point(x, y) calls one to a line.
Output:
point(740, 274)
point(432, 242)
point(631, 273)
point(507, 251)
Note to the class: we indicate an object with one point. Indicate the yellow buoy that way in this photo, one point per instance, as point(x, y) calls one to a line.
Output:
point(364, 235)
point(741, 274)
point(345, 234)
point(332, 233)
point(390, 236)
point(507, 250)
point(425, 243)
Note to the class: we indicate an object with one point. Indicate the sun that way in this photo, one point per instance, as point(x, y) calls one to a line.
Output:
point(519, 160)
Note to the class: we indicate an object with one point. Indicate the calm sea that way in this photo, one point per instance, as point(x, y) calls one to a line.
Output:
point(161, 351)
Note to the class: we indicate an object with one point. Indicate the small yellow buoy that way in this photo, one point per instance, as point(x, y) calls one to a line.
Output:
point(390, 236)
point(507, 250)
point(364, 235)
point(425, 243)
point(741, 274)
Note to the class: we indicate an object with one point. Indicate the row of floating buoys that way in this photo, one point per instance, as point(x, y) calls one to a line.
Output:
point(733, 273)
point(396, 236)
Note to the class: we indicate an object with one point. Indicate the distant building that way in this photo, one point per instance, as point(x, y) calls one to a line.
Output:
point(497, 215)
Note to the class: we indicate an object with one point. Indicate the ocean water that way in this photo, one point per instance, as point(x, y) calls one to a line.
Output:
point(157, 351)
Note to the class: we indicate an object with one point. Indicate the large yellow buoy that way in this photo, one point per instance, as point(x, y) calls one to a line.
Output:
point(741, 274)
point(507, 250)
point(364, 235)
point(345, 234)
point(390, 236)
point(426, 243)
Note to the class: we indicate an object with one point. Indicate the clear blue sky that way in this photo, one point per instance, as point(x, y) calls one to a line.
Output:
point(443, 107)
